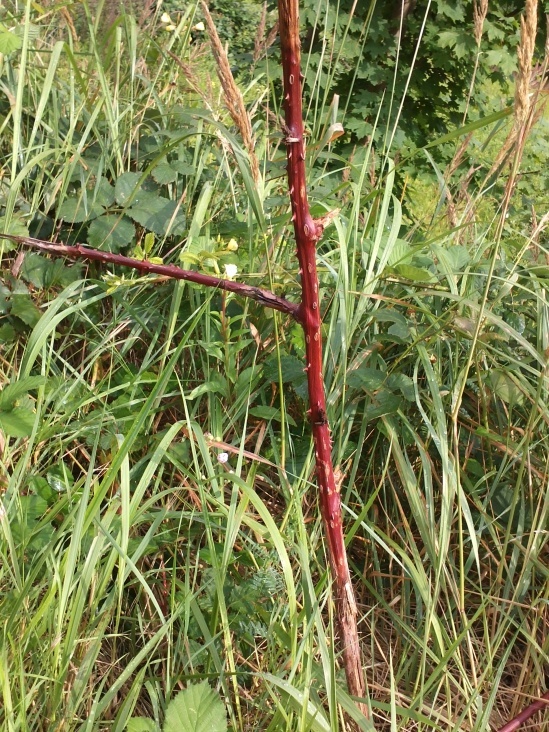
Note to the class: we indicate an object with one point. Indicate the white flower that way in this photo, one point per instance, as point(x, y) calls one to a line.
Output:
point(231, 271)
point(199, 26)
point(223, 457)
point(165, 18)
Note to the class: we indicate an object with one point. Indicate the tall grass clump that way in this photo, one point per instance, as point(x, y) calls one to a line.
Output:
point(159, 522)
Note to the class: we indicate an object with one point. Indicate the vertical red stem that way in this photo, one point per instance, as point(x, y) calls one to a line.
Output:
point(307, 233)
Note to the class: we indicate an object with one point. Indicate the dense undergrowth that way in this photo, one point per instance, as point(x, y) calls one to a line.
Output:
point(159, 519)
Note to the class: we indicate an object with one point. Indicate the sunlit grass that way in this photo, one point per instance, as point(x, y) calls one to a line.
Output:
point(159, 521)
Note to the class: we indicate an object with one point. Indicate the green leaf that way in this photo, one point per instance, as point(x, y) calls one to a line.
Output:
point(164, 173)
point(200, 210)
point(111, 232)
point(104, 194)
point(141, 724)
point(59, 478)
point(12, 392)
point(24, 309)
point(17, 422)
point(33, 508)
point(415, 274)
point(291, 367)
point(183, 168)
point(196, 709)
point(367, 378)
point(399, 330)
point(8, 41)
point(155, 213)
point(452, 260)
point(78, 210)
point(505, 388)
point(7, 333)
point(384, 402)
point(268, 413)
point(43, 272)
point(404, 383)
point(13, 226)
point(297, 700)
point(400, 252)
point(265, 412)
point(126, 185)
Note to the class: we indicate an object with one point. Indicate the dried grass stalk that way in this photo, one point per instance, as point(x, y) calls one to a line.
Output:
point(525, 53)
point(524, 115)
point(259, 41)
point(231, 93)
point(480, 10)
point(272, 36)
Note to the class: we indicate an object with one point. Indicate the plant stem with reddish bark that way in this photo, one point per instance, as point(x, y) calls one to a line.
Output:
point(524, 716)
point(307, 233)
point(263, 297)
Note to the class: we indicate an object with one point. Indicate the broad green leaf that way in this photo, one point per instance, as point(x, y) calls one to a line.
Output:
point(156, 213)
point(104, 193)
point(7, 333)
point(196, 709)
point(400, 252)
point(164, 173)
point(183, 168)
point(141, 724)
point(14, 391)
point(9, 41)
point(34, 507)
point(400, 330)
point(77, 210)
point(367, 378)
point(17, 422)
point(216, 384)
point(59, 478)
point(43, 272)
point(111, 232)
point(291, 367)
point(451, 260)
point(14, 225)
point(265, 412)
point(505, 388)
point(404, 383)
point(23, 307)
point(383, 403)
point(125, 187)
point(415, 274)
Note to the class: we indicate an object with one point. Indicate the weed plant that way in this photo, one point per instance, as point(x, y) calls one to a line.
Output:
point(158, 512)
